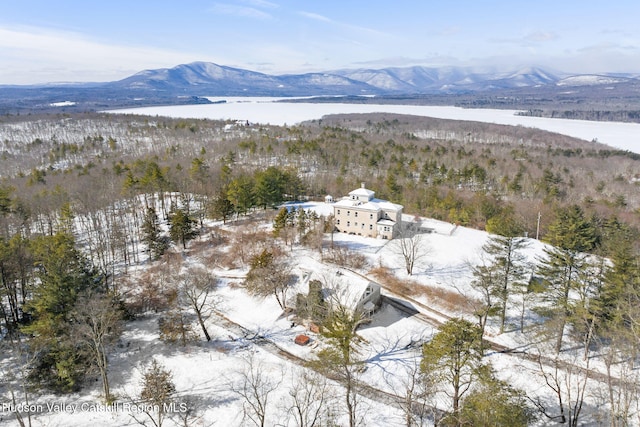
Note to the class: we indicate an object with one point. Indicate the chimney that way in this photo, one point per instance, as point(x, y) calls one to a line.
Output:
point(362, 185)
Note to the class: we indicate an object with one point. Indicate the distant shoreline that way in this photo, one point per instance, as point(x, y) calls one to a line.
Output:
point(276, 111)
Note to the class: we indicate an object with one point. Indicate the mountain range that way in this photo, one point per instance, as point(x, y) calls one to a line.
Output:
point(190, 83)
point(200, 77)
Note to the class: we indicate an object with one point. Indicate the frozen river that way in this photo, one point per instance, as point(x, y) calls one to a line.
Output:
point(625, 136)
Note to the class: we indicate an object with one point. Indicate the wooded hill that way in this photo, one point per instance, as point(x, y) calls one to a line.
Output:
point(462, 172)
point(83, 199)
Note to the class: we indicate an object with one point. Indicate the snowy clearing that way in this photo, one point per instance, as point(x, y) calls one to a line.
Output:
point(250, 331)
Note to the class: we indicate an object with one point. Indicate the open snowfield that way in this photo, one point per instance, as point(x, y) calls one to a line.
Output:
point(251, 330)
point(625, 136)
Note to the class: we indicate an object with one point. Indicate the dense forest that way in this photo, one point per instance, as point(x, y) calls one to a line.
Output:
point(439, 168)
point(83, 197)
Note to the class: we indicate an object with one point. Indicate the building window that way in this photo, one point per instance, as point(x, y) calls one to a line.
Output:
point(356, 224)
point(338, 222)
point(348, 223)
point(356, 215)
point(370, 226)
point(370, 216)
point(338, 211)
point(348, 213)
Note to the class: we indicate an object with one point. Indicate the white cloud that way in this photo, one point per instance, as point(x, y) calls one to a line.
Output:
point(36, 55)
point(540, 36)
point(404, 61)
point(344, 26)
point(450, 31)
point(315, 16)
point(261, 3)
point(528, 39)
point(241, 11)
point(603, 57)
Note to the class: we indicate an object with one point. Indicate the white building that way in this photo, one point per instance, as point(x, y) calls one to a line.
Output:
point(362, 214)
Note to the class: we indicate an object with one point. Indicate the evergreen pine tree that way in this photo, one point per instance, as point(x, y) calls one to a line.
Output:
point(453, 357)
point(151, 234)
point(302, 221)
point(495, 404)
point(181, 227)
point(221, 207)
point(280, 222)
point(63, 274)
point(508, 268)
point(572, 236)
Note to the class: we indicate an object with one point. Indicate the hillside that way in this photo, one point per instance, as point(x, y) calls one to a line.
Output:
point(254, 333)
point(142, 209)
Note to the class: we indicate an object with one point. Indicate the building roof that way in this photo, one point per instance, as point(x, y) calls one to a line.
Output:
point(362, 192)
point(349, 203)
point(348, 289)
point(386, 205)
point(339, 285)
point(373, 205)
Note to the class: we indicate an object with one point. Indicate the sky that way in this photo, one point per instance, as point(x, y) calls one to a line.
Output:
point(93, 41)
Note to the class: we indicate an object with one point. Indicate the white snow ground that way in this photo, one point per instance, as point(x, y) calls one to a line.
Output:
point(207, 372)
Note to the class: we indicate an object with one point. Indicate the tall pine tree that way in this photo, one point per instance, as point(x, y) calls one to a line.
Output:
point(62, 273)
point(156, 245)
point(508, 266)
point(572, 237)
point(181, 227)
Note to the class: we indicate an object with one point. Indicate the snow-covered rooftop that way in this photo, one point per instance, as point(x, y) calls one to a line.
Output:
point(387, 205)
point(372, 205)
point(344, 285)
point(362, 192)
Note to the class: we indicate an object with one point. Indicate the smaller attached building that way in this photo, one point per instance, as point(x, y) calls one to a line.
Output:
point(354, 293)
point(362, 214)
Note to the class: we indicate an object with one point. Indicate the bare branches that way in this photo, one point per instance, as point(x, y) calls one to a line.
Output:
point(198, 287)
point(255, 387)
point(411, 244)
point(311, 398)
point(98, 324)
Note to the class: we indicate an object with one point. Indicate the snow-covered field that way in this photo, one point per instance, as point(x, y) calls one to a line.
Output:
point(205, 374)
point(625, 136)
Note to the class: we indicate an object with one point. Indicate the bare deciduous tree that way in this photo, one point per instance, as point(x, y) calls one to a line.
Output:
point(14, 377)
point(622, 379)
point(310, 400)
point(97, 325)
point(568, 380)
point(411, 244)
point(255, 387)
point(175, 327)
point(414, 395)
point(198, 287)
